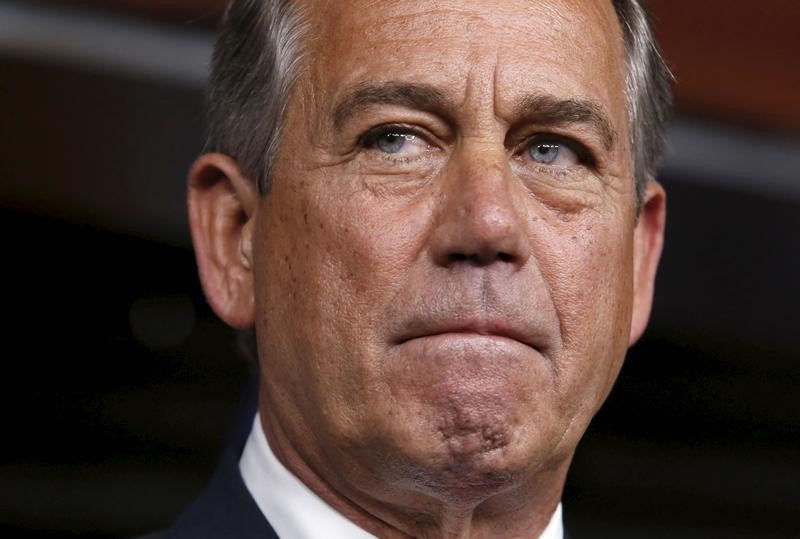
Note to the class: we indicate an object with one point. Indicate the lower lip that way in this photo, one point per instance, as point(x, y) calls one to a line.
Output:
point(491, 345)
point(466, 366)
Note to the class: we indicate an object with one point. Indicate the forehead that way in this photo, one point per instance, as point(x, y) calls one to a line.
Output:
point(571, 48)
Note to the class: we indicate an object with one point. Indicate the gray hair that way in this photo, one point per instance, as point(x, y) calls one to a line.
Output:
point(648, 92)
point(258, 55)
point(256, 61)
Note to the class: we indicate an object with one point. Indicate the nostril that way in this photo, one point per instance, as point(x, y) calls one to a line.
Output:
point(459, 257)
point(480, 259)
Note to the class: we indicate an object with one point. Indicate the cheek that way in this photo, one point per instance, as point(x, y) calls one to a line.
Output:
point(366, 245)
point(307, 291)
point(589, 272)
point(333, 262)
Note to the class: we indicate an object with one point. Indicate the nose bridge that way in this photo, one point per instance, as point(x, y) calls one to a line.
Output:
point(480, 220)
point(482, 191)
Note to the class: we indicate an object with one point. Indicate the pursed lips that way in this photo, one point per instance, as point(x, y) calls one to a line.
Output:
point(484, 328)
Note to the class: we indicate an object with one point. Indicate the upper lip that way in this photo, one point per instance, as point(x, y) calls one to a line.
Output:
point(488, 327)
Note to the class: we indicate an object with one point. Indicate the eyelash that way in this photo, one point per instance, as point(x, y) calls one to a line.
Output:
point(584, 154)
point(369, 140)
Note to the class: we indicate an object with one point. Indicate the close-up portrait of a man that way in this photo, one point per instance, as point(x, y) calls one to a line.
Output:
point(441, 220)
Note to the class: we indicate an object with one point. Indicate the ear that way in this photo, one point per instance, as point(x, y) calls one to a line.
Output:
point(222, 211)
point(648, 242)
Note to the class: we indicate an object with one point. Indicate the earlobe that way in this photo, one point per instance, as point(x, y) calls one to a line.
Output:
point(648, 243)
point(222, 209)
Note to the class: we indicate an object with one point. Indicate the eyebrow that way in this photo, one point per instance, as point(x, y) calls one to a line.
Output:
point(410, 95)
point(538, 108)
point(544, 109)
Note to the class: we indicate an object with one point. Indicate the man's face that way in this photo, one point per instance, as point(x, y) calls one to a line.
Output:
point(444, 266)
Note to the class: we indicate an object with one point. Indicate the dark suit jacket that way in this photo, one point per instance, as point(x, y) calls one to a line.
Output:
point(225, 510)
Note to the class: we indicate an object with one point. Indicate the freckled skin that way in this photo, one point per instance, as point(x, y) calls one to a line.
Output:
point(363, 267)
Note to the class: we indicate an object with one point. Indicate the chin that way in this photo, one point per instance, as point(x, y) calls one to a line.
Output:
point(468, 421)
point(466, 456)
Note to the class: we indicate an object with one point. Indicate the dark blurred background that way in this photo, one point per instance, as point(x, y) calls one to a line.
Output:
point(119, 385)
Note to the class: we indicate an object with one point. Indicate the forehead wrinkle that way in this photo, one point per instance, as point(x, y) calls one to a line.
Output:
point(479, 90)
point(436, 28)
point(379, 24)
point(371, 21)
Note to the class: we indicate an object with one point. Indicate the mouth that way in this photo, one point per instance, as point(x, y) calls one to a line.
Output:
point(473, 329)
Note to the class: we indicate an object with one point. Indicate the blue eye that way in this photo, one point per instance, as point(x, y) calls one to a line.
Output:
point(391, 142)
point(395, 141)
point(553, 153)
point(544, 153)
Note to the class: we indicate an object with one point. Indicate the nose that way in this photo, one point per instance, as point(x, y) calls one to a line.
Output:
point(480, 218)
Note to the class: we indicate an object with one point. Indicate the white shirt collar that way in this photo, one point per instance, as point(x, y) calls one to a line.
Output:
point(295, 511)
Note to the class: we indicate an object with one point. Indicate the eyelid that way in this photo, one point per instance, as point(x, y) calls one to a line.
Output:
point(586, 156)
point(371, 135)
